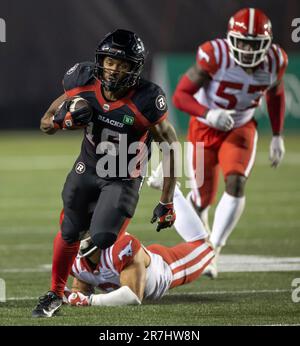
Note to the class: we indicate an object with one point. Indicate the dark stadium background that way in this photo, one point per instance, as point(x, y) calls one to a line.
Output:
point(261, 260)
point(45, 38)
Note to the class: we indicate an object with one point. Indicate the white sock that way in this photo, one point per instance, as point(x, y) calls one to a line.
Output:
point(188, 224)
point(227, 214)
point(203, 213)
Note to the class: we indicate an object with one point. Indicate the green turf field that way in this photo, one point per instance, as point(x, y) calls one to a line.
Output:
point(33, 167)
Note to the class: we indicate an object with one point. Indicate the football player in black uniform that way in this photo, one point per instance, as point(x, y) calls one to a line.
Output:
point(101, 195)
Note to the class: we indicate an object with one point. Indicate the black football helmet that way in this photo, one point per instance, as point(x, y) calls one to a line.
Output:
point(124, 45)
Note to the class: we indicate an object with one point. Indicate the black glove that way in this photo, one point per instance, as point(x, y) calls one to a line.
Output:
point(165, 214)
point(63, 118)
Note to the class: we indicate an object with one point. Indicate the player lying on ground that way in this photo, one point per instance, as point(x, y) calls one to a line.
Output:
point(130, 272)
point(220, 93)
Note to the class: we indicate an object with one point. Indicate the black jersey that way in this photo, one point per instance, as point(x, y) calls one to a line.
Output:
point(117, 141)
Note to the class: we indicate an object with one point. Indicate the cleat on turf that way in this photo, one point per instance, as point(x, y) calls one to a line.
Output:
point(211, 270)
point(48, 304)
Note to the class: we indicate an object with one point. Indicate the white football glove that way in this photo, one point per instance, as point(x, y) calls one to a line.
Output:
point(277, 150)
point(220, 119)
point(78, 299)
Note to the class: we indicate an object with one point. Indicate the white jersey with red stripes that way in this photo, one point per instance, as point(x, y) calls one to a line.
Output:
point(169, 267)
point(231, 87)
point(114, 259)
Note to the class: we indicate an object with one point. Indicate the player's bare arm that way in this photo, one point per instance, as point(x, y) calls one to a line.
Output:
point(164, 132)
point(47, 125)
point(83, 287)
point(132, 282)
point(134, 275)
point(198, 76)
point(164, 212)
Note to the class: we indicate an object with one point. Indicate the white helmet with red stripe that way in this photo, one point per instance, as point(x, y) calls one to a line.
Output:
point(249, 36)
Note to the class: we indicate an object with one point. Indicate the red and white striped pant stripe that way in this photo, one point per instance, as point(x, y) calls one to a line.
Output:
point(186, 260)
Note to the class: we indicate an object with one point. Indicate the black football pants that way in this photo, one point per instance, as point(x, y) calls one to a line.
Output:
point(99, 205)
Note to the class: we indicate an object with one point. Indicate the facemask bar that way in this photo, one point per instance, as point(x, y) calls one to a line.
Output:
point(126, 82)
point(86, 248)
point(258, 55)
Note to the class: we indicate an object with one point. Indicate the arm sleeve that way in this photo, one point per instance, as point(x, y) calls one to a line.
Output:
point(124, 251)
point(282, 62)
point(184, 100)
point(275, 97)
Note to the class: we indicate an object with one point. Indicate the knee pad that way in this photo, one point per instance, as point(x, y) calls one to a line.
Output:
point(69, 236)
point(104, 240)
point(69, 232)
point(235, 184)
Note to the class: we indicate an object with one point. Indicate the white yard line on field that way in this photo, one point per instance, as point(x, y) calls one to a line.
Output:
point(226, 264)
point(192, 293)
point(229, 292)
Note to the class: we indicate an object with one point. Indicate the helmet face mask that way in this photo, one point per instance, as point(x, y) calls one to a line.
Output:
point(250, 57)
point(249, 37)
point(87, 248)
point(125, 46)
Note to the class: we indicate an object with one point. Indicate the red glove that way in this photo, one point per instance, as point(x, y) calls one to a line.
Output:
point(165, 214)
point(78, 299)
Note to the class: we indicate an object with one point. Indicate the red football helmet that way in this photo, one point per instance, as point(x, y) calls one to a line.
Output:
point(249, 36)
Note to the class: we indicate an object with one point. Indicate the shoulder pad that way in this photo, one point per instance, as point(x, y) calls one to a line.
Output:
point(151, 101)
point(209, 57)
point(124, 250)
point(80, 74)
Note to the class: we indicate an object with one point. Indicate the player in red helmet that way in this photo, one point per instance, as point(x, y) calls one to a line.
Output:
point(221, 92)
point(249, 37)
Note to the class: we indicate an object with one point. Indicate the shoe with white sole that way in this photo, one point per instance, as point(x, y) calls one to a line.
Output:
point(212, 269)
point(47, 306)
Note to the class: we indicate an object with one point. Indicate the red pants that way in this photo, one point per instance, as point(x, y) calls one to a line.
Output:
point(233, 152)
point(186, 260)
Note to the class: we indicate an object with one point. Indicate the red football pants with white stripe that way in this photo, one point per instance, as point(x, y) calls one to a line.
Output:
point(233, 152)
point(186, 260)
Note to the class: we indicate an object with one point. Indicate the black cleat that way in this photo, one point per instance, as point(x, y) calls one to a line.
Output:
point(48, 304)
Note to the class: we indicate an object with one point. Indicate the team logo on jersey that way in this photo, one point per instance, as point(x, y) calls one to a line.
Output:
point(106, 107)
point(161, 102)
point(128, 119)
point(72, 69)
point(111, 122)
point(80, 168)
point(203, 55)
point(127, 251)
